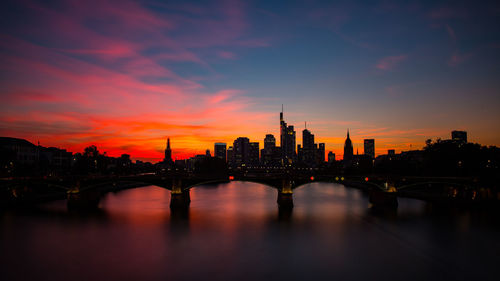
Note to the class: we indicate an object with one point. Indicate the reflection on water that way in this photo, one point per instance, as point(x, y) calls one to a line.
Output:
point(236, 231)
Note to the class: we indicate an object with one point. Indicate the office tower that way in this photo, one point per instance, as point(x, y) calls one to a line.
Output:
point(287, 141)
point(270, 154)
point(241, 151)
point(269, 142)
point(307, 139)
point(253, 154)
point(320, 154)
point(220, 150)
point(391, 152)
point(230, 156)
point(459, 136)
point(308, 153)
point(348, 150)
point(369, 146)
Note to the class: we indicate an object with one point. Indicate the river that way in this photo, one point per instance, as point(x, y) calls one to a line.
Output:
point(235, 231)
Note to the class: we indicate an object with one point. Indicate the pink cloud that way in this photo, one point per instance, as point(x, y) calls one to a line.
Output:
point(113, 86)
point(226, 55)
point(390, 62)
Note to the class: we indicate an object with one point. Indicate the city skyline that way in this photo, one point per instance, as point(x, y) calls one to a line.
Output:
point(125, 77)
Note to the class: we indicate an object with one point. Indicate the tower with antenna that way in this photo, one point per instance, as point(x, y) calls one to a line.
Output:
point(287, 141)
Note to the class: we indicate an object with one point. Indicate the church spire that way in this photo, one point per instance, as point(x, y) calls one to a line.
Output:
point(168, 153)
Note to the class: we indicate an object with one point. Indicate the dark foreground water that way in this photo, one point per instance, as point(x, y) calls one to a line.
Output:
point(235, 231)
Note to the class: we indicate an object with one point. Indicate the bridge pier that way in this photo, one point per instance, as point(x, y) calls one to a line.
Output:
point(285, 200)
point(82, 200)
point(179, 198)
point(285, 194)
point(383, 199)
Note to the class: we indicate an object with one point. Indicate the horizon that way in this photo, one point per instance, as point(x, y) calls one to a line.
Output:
point(126, 76)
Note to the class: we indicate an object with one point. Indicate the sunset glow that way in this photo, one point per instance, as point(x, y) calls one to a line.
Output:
point(125, 75)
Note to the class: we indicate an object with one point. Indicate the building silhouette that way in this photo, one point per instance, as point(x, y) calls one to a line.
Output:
point(270, 155)
point(369, 147)
point(459, 136)
point(287, 141)
point(253, 154)
point(168, 153)
point(220, 150)
point(348, 149)
point(241, 152)
point(307, 153)
point(331, 157)
point(320, 154)
point(230, 154)
point(310, 154)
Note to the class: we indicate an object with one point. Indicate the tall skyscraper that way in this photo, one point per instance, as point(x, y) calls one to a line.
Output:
point(168, 153)
point(271, 154)
point(230, 156)
point(220, 150)
point(287, 141)
point(253, 154)
point(269, 142)
point(320, 154)
point(241, 151)
point(369, 146)
point(308, 153)
point(307, 139)
point(459, 136)
point(348, 149)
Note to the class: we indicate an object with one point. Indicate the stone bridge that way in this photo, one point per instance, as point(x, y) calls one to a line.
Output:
point(85, 192)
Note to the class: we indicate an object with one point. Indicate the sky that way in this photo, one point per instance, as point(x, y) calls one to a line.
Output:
point(125, 75)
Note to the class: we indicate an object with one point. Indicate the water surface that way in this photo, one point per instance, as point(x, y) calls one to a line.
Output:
point(235, 231)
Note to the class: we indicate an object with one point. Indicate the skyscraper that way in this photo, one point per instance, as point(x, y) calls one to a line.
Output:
point(369, 147)
point(168, 153)
point(269, 142)
point(220, 150)
point(271, 154)
point(320, 154)
point(230, 156)
point(241, 151)
point(348, 150)
point(287, 141)
point(308, 154)
point(253, 154)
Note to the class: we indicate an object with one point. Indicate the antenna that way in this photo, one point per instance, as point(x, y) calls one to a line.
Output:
point(281, 107)
point(305, 124)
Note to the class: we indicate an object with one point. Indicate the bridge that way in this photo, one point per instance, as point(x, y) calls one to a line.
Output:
point(85, 191)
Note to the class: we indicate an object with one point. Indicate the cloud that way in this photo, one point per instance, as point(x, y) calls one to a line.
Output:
point(102, 72)
point(390, 62)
